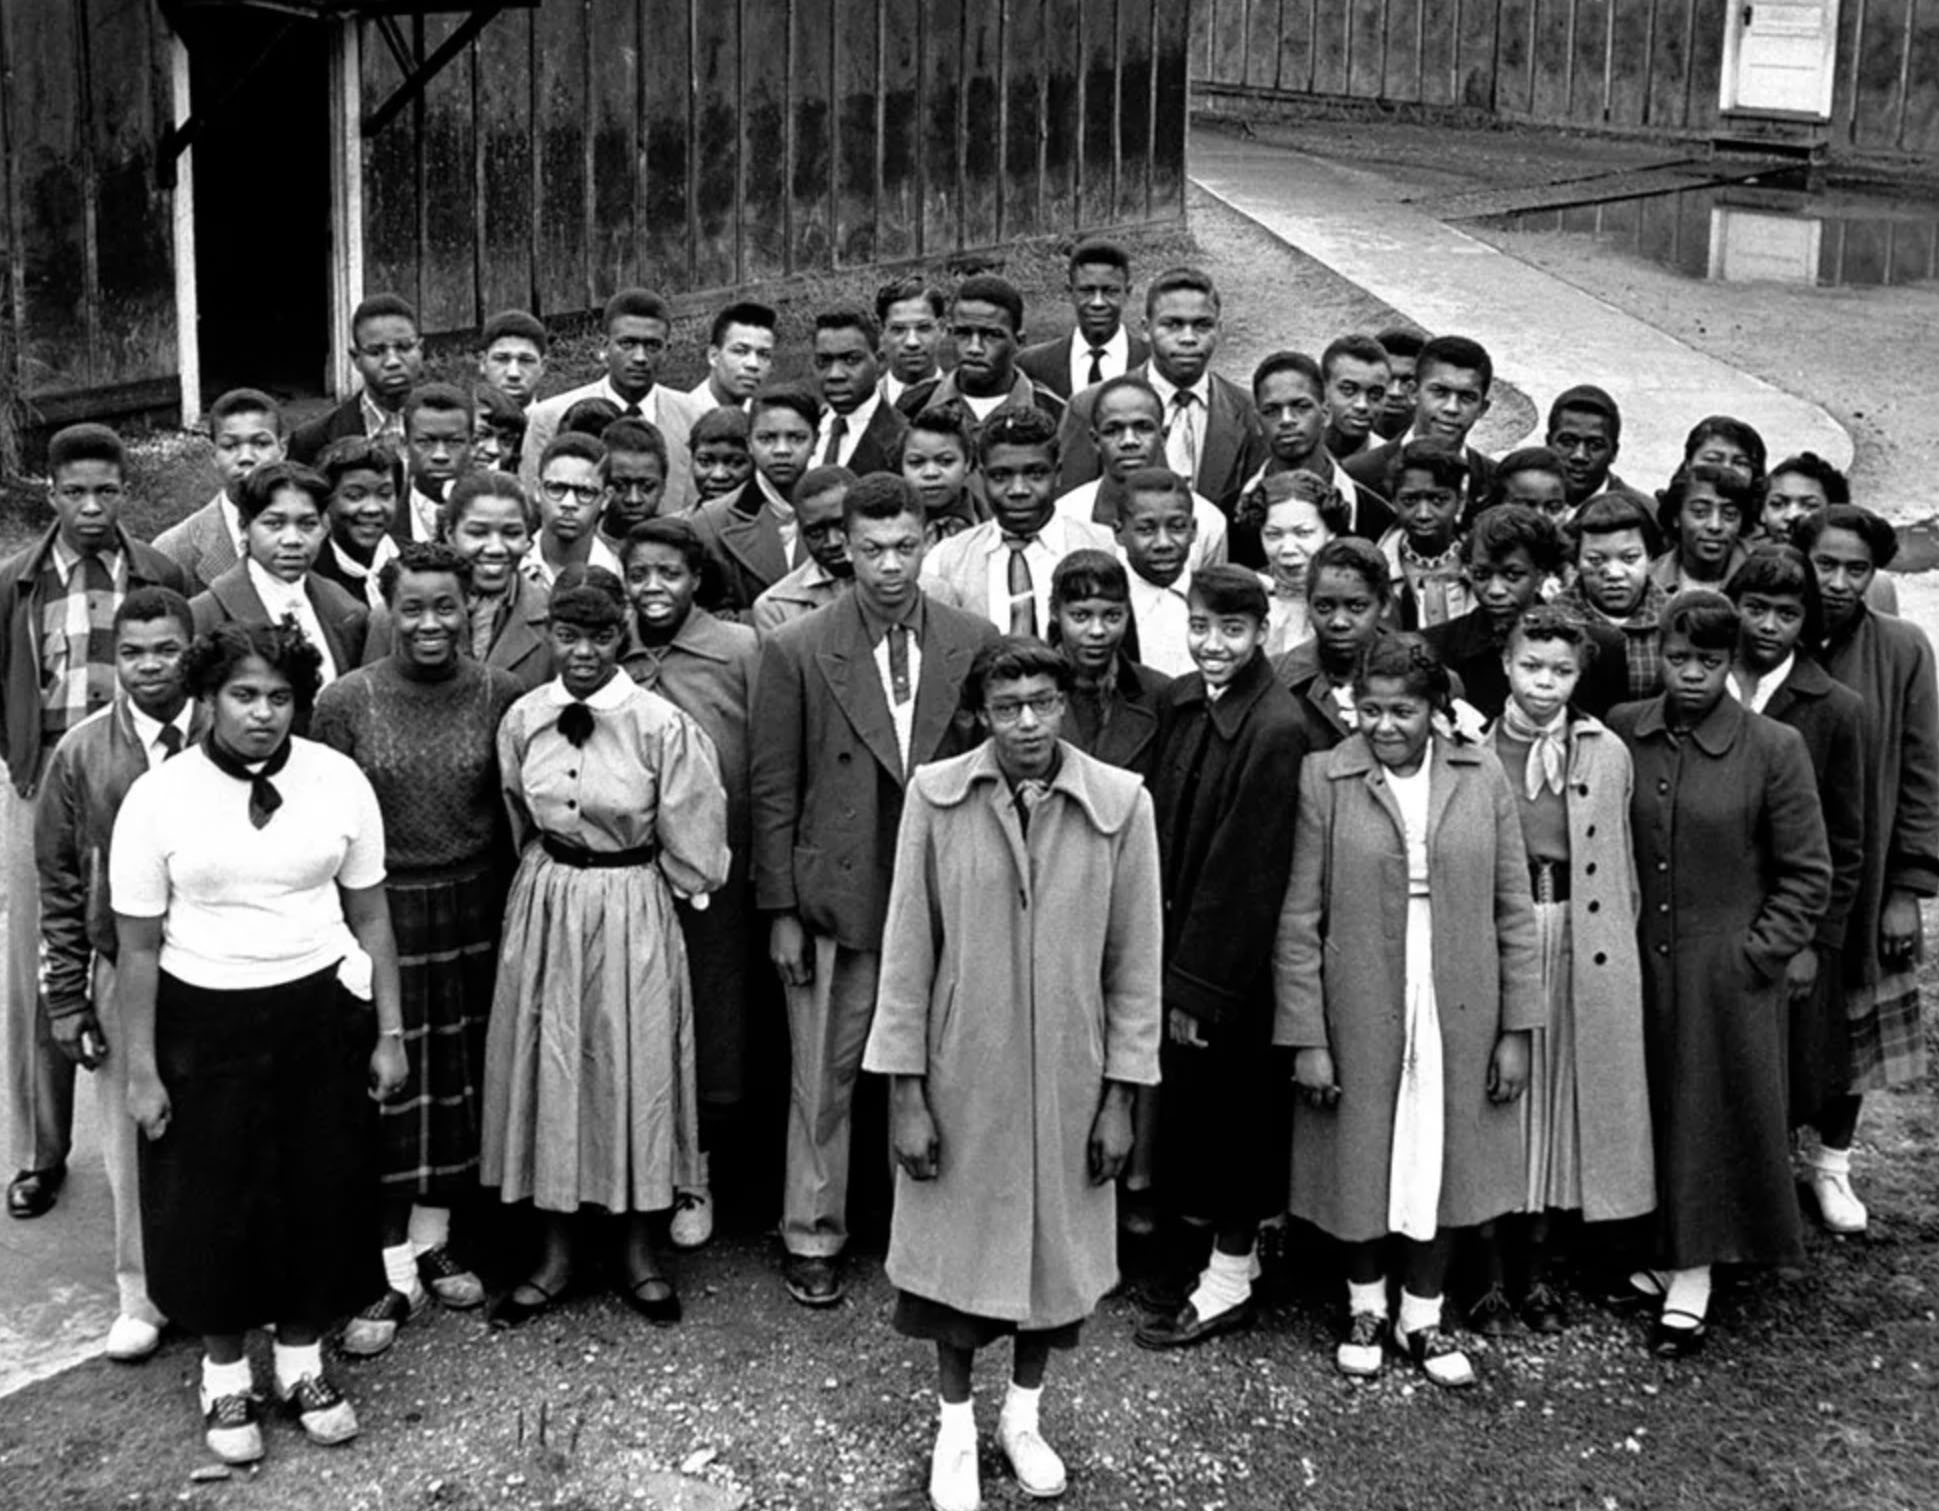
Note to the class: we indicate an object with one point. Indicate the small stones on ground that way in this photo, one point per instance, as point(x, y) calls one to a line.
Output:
point(209, 1473)
point(698, 1460)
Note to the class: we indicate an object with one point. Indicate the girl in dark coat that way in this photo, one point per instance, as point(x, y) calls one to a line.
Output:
point(1735, 873)
point(1349, 602)
point(1230, 745)
point(1888, 663)
point(1774, 674)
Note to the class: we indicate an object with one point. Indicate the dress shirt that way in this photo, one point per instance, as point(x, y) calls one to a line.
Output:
point(1116, 358)
point(424, 516)
point(1040, 555)
point(903, 715)
point(1162, 616)
point(859, 421)
point(1184, 429)
point(149, 732)
point(379, 421)
point(783, 513)
point(287, 600)
point(534, 565)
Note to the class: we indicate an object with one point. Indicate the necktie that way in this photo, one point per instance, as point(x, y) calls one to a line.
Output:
point(837, 433)
point(633, 412)
point(1097, 364)
point(1023, 596)
point(1029, 795)
point(899, 663)
point(170, 740)
point(1181, 436)
point(1548, 748)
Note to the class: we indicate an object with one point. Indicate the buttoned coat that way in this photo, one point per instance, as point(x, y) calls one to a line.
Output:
point(1019, 974)
point(707, 672)
point(1606, 981)
point(1735, 873)
point(1340, 979)
point(1128, 737)
point(826, 774)
point(745, 553)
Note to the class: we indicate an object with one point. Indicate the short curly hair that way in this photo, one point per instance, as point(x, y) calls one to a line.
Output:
point(213, 659)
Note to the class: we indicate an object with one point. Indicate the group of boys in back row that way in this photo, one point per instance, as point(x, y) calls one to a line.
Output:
point(1477, 845)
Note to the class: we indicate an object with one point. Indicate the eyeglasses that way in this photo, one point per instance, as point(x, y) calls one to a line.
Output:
point(1044, 706)
point(557, 492)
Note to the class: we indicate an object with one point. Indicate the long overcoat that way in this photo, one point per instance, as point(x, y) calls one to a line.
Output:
point(1340, 978)
point(1606, 982)
point(1735, 872)
point(1018, 975)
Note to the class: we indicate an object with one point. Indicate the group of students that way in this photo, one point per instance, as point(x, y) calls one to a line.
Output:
point(1198, 806)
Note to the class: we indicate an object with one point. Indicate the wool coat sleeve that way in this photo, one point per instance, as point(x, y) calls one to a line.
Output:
point(60, 844)
point(912, 938)
point(775, 772)
point(1842, 799)
point(1133, 954)
point(1912, 862)
point(1794, 838)
point(1298, 961)
point(1223, 951)
point(1523, 1004)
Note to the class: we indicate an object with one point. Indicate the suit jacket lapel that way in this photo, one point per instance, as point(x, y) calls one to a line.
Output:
point(945, 660)
point(755, 539)
point(847, 664)
point(238, 596)
point(1224, 429)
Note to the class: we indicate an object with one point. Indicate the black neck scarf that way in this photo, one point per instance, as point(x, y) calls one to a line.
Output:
point(264, 799)
point(576, 722)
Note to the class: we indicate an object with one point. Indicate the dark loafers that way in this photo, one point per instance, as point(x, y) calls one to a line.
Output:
point(32, 1193)
point(1184, 1328)
point(813, 1280)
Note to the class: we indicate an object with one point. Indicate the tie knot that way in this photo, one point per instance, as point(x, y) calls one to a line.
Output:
point(1097, 351)
point(1018, 542)
point(1184, 399)
point(170, 739)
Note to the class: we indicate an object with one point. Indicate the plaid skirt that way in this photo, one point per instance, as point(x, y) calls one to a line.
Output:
point(1888, 1046)
point(447, 959)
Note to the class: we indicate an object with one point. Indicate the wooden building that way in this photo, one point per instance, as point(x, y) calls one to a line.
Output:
point(1851, 76)
point(197, 192)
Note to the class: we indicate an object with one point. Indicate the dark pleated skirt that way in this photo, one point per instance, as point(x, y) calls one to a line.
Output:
point(937, 1322)
point(447, 959)
point(257, 1203)
point(1818, 1043)
point(1225, 1128)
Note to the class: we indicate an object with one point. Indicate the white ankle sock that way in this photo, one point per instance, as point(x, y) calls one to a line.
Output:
point(400, 1267)
point(957, 1420)
point(1020, 1408)
point(219, 1380)
point(1225, 1282)
point(1830, 1161)
point(430, 1229)
point(1371, 1297)
point(293, 1363)
point(1689, 1292)
point(1417, 1312)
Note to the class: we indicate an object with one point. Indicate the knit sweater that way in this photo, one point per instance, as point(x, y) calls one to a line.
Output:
point(429, 749)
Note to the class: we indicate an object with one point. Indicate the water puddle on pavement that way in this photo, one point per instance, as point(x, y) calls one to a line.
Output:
point(1772, 229)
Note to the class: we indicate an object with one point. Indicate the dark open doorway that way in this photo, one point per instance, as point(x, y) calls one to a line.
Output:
point(262, 201)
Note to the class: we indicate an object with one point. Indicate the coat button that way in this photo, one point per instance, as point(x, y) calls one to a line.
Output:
point(1601, 959)
point(1662, 949)
point(1662, 786)
point(1595, 907)
point(1590, 869)
point(1662, 907)
point(1590, 831)
point(1662, 865)
point(1581, 789)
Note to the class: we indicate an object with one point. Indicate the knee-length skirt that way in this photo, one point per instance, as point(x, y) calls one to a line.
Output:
point(589, 1059)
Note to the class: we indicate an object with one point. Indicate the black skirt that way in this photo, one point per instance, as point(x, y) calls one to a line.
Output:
point(258, 1203)
point(1225, 1128)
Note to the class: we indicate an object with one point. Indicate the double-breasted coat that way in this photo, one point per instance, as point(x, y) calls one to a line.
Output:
point(1118, 723)
point(1735, 873)
point(1606, 981)
point(707, 672)
point(1019, 974)
point(1340, 979)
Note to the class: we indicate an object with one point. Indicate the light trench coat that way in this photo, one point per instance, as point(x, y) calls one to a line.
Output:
point(1018, 976)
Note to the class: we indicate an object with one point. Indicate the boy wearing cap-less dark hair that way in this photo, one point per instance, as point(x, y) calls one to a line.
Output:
point(247, 428)
point(511, 355)
point(740, 356)
point(1453, 381)
point(388, 354)
point(638, 325)
point(1403, 349)
point(750, 538)
point(910, 312)
point(58, 599)
point(860, 430)
point(986, 326)
point(1101, 347)
point(1585, 431)
point(826, 573)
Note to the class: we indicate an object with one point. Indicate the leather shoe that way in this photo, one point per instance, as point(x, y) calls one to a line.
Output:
point(813, 1280)
point(32, 1193)
point(1669, 1341)
point(1492, 1316)
point(132, 1339)
point(1184, 1327)
point(1543, 1311)
point(654, 1298)
point(509, 1311)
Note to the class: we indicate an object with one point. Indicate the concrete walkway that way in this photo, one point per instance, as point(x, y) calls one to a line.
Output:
point(1544, 335)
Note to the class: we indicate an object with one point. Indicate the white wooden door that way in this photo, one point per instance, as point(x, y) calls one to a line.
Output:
point(1780, 55)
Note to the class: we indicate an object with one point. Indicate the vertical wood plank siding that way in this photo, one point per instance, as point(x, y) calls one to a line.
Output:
point(698, 145)
point(1631, 64)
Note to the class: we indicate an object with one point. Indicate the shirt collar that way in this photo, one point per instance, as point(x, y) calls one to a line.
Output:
point(616, 690)
point(1150, 589)
point(858, 419)
point(66, 559)
point(1118, 346)
point(877, 627)
point(377, 419)
point(647, 403)
point(148, 729)
point(278, 596)
point(773, 498)
point(1201, 390)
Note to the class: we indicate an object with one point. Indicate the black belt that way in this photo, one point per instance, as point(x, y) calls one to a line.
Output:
point(1549, 880)
point(566, 853)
